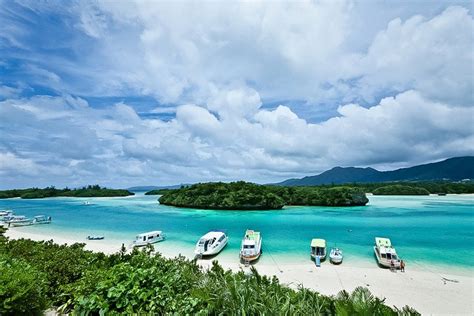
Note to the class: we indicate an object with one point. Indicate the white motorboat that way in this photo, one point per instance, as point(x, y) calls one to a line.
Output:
point(42, 219)
point(18, 220)
point(211, 243)
point(318, 249)
point(336, 255)
point(4, 213)
point(148, 238)
point(251, 247)
point(386, 253)
point(95, 237)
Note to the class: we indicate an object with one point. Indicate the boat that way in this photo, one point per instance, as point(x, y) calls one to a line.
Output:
point(386, 253)
point(86, 203)
point(95, 237)
point(18, 220)
point(148, 238)
point(4, 213)
point(251, 247)
point(336, 255)
point(211, 243)
point(42, 219)
point(318, 250)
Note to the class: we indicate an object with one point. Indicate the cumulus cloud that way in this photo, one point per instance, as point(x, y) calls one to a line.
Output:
point(66, 134)
point(239, 81)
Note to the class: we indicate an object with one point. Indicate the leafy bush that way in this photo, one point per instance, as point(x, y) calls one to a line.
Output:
point(22, 288)
point(61, 264)
point(81, 282)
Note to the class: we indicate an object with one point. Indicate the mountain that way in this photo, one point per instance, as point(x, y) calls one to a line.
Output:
point(452, 169)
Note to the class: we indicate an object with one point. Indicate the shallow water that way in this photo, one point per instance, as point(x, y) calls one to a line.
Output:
point(425, 230)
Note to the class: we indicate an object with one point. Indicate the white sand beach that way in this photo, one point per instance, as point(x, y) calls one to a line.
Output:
point(430, 292)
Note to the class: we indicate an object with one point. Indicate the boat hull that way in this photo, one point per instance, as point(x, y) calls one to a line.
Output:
point(250, 258)
point(144, 243)
point(335, 259)
point(18, 224)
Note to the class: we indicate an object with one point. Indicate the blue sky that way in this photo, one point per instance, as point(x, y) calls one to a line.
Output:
point(126, 93)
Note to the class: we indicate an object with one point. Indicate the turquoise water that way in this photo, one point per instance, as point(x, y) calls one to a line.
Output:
point(425, 230)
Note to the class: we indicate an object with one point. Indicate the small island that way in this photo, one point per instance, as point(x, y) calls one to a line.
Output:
point(249, 196)
point(398, 189)
point(89, 191)
point(158, 192)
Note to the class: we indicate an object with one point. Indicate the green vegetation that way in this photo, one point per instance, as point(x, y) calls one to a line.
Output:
point(217, 195)
point(398, 189)
point(248, 196)
point(437, 187)
point(432, 187)
point(158, 192)
point(40, 275)
point(321, 196)
point(244, 196)
point(89, 191)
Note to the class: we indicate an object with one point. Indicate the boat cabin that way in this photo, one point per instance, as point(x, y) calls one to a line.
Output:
point(210, 239)
point(42, 219)
point(148, 238)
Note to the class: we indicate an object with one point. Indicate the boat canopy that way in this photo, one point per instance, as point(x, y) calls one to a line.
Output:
point(252, 235)
point(382, 242)
point(318, 243)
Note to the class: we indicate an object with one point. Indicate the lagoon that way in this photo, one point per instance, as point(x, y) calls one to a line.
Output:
point(428, 231)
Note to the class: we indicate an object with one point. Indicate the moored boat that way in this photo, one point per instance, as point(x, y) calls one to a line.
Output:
point(251, 247)
point(42, 219)
point(336, 255)
point(18, 220)
point(211, 243)
point(385, 253)
point(318, 249)
point(148, 238)
point(95, 237)
point(4, 213)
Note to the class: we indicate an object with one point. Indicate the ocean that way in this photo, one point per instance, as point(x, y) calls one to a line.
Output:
point(428, 232)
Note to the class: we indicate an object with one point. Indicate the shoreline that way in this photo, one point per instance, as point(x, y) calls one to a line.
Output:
point(427, 290)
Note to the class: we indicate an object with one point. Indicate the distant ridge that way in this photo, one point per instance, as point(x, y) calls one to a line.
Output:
point(152, 187)
point(452, 169)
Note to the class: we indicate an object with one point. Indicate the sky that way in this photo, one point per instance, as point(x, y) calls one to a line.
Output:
point(125, 93)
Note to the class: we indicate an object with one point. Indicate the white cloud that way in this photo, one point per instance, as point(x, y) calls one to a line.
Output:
point(10, 163)
point(215, 64)
point(432, 56)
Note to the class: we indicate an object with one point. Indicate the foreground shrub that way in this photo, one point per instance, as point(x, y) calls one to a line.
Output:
point(22, 288)
point(35, 274)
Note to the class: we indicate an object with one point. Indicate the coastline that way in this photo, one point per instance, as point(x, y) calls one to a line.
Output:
point(430, 291)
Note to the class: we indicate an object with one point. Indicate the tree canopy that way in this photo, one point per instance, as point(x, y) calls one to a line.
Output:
point(249, 196)
point(88, 191)
point(398, 189)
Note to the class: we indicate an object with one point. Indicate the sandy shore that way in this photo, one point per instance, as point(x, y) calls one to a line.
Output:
point(430, 292)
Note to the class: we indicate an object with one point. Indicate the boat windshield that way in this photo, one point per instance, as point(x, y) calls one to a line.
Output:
point(249, 246)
